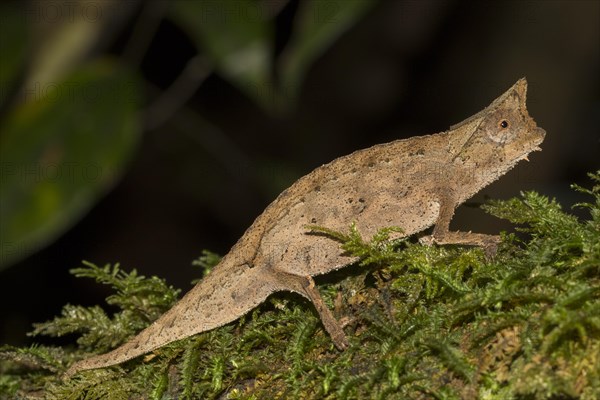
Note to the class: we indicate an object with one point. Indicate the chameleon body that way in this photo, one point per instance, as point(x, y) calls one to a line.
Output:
point(412, 183)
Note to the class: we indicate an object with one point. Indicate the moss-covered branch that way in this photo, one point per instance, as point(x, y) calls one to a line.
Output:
point(423, 322)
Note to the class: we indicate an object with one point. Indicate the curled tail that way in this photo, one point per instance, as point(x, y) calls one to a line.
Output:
point(224, 295)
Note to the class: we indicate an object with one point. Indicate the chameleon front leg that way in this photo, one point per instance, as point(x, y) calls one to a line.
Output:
point(442, 234)
point(305, 286)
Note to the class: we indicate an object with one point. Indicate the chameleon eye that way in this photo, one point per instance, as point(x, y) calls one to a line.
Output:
point(504, 124)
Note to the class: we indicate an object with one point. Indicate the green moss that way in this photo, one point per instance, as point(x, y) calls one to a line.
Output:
point(423, 322)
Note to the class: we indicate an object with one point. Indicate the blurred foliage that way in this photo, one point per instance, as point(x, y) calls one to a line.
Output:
point(424, 322)
point(239, 38)
point(60, 152)
point(71, 115)
point(318, 24)
point(13, 49)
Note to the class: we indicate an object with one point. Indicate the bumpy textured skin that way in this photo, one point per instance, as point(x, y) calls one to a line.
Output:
point(412, 183)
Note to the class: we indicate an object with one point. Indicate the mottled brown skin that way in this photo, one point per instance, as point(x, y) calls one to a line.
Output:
point(413, 183)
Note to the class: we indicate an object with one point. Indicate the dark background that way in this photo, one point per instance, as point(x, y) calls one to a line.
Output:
point(407, 68)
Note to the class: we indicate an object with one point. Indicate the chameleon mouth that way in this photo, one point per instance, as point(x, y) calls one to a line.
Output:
point(526, 155)
point(541, 133)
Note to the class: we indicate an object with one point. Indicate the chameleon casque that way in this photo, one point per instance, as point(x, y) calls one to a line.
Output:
point(412, 183)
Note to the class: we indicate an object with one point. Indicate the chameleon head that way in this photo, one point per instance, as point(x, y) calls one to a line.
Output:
point(504, 132)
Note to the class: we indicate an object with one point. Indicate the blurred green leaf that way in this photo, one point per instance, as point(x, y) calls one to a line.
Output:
point(13, 49)
point(318, 24)
point(238, 37)
point(61, 149)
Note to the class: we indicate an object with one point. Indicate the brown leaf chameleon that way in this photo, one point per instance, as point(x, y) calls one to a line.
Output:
point(412, 183)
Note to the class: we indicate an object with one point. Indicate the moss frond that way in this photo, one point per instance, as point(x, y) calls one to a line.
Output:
point(140, 300)
point(437, 322)
point(207, 261)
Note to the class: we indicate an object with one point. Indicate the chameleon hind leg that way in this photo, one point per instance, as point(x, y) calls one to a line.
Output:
point(305, 286)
